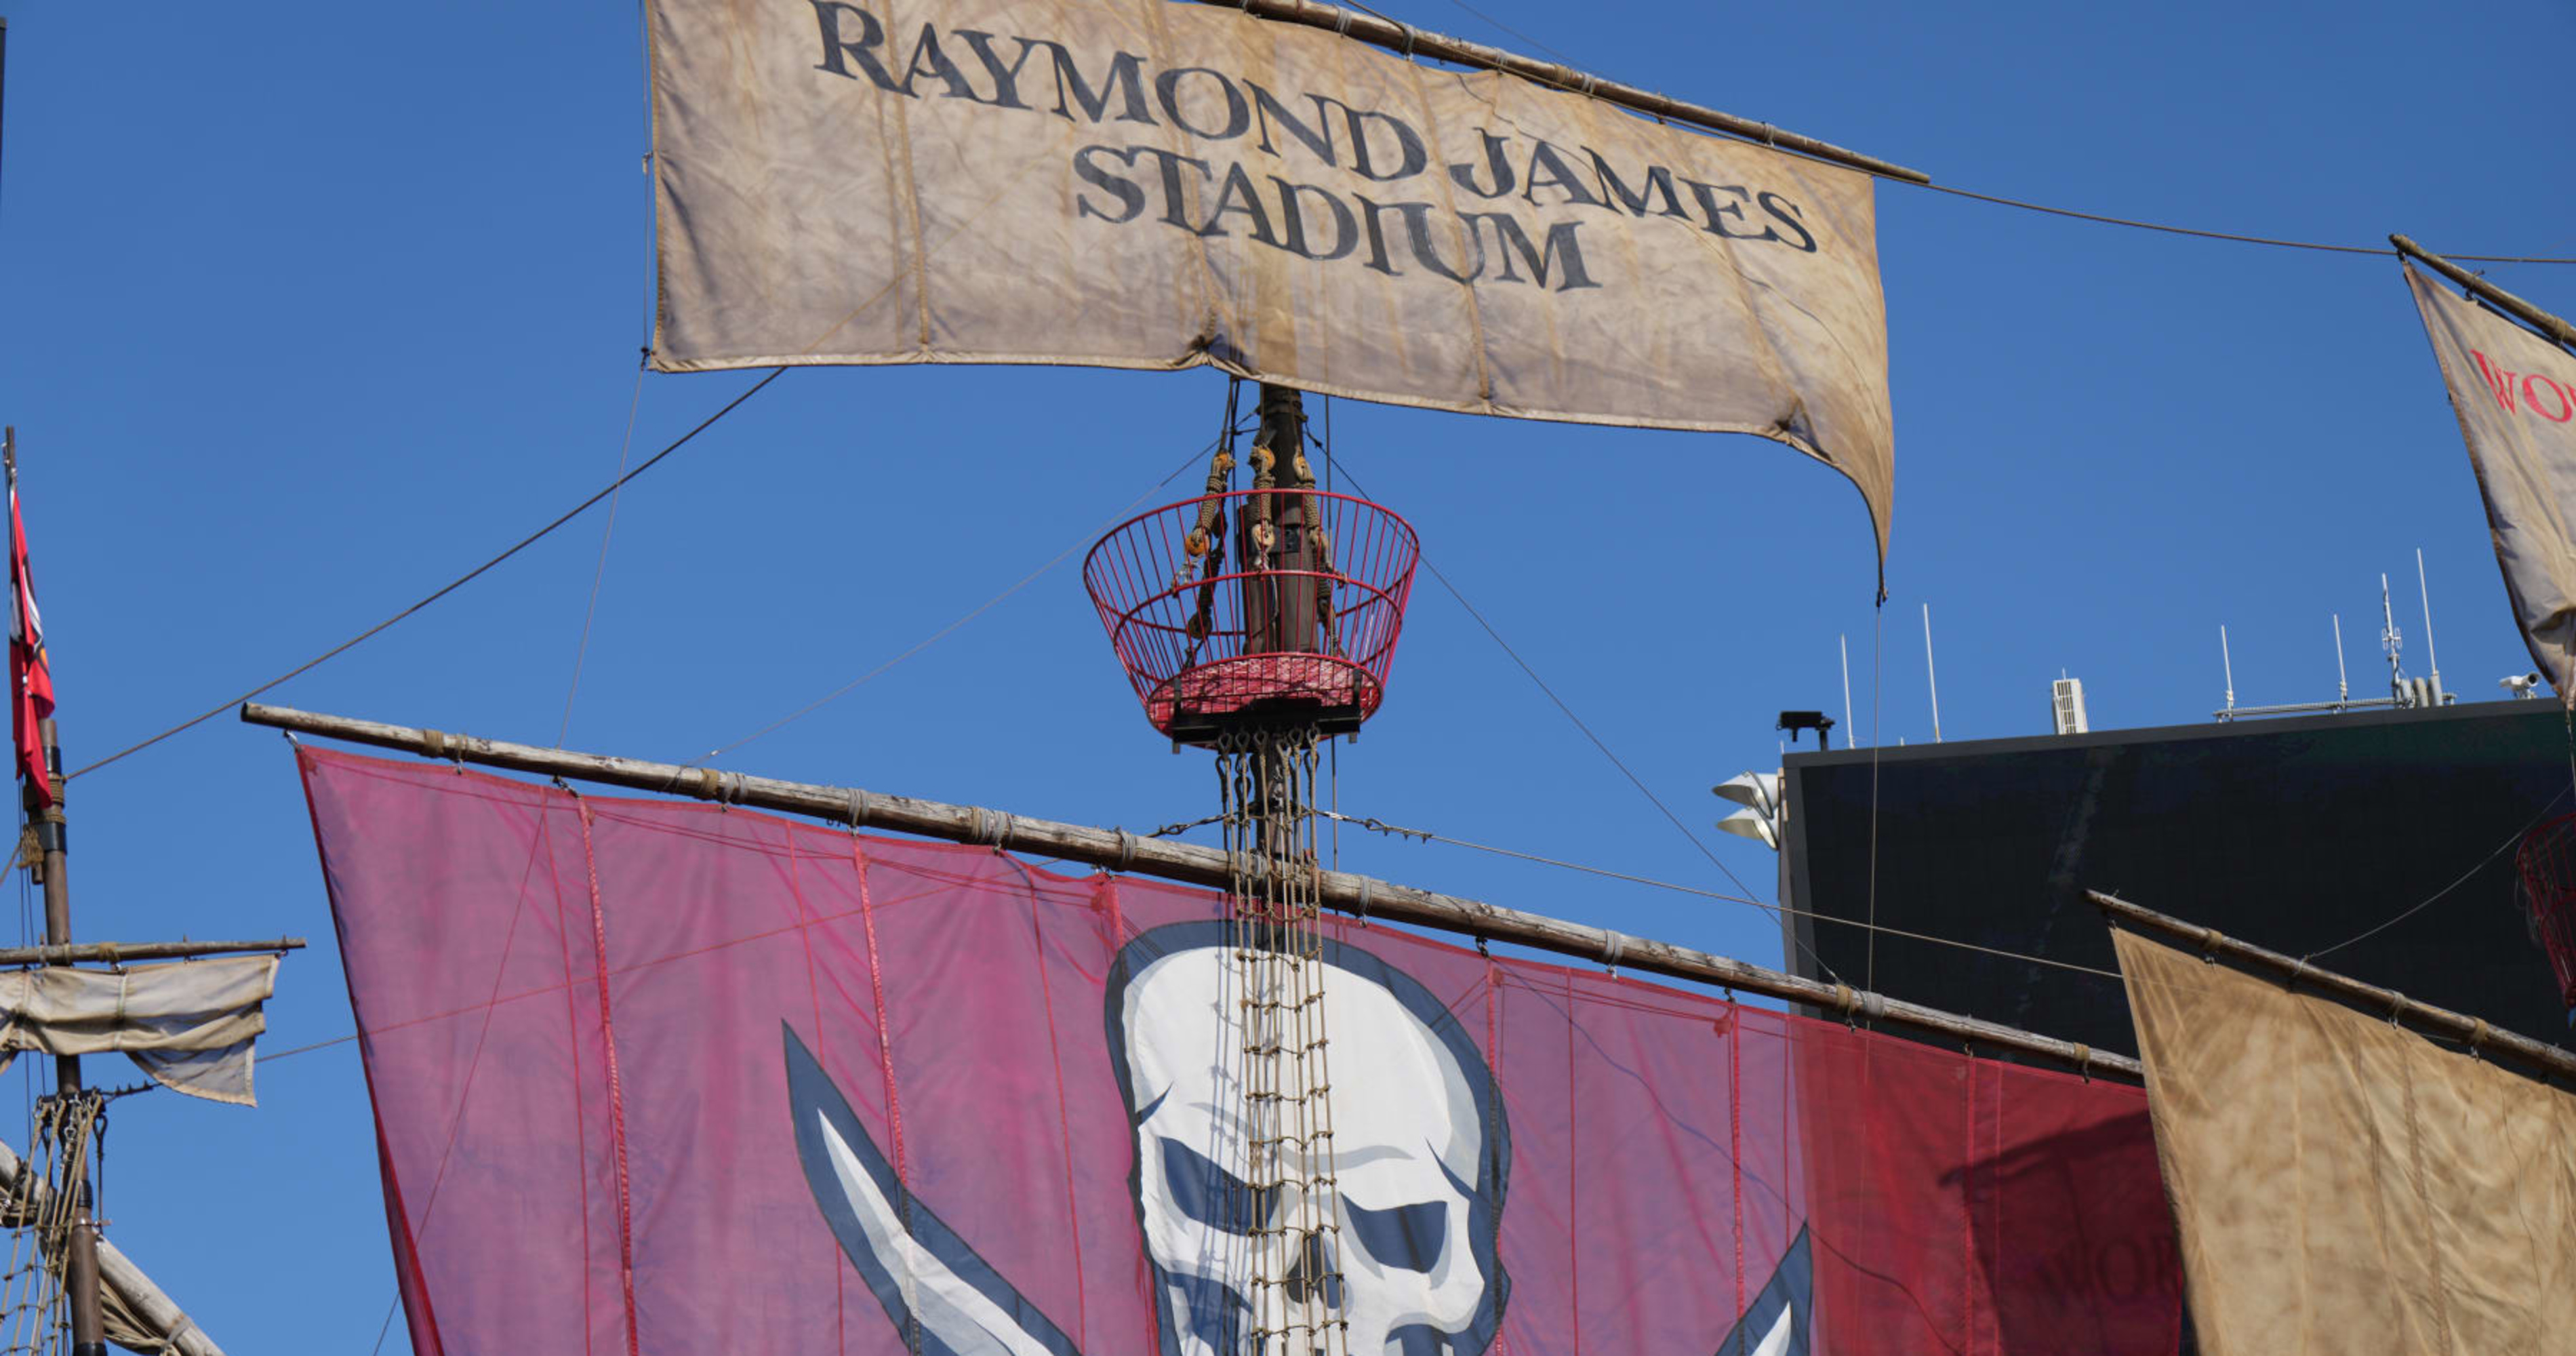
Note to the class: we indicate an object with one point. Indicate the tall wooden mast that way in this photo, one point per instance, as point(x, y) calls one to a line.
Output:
point(47, 850)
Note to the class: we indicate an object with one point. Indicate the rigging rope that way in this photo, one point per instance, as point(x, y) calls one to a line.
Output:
point(2273, 241)
point(62, 1137)
point(2236, 237)
point(450, 587)
point(1266, 778)
point(2436, 897)
point(934, 637)
point(1776, 910)
point(599, 572)
point(1597, 742)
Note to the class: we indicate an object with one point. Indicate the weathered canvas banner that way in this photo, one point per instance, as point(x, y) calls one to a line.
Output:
point(2515, 394)
point(2344, 1185)
point(848, 1094)
point(1135, 183)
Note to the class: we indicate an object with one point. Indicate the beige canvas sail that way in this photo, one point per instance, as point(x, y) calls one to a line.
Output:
point(2515, 394)
point(1136, 183)
point(191, 1025)
point(2343, 1186)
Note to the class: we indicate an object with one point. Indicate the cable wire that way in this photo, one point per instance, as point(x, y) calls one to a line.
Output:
point(978, 610)
point(2098, 217)
point(1615, 761)
point(2236, 237)
point(2436, 897)
point(450, 587)
point(1776, 910)
point(599, 572)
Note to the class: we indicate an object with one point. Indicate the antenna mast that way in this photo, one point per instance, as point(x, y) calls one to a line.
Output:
point(1849, 730)
point(2392, 641)
point(2343, 684)
point(2227, 662)
point(2431, 656)
point(1931, 676)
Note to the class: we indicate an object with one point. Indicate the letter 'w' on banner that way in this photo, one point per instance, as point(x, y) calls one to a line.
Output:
point(1141, 184)
point(2515, 394)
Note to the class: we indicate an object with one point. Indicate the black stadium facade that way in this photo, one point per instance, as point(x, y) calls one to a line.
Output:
point(2300, 834)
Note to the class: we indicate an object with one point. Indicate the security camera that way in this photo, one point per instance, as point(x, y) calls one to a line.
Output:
point(2519, 684)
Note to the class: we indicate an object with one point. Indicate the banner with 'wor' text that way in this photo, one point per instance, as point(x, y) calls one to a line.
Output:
point(1134, 183)
point(2515, 394)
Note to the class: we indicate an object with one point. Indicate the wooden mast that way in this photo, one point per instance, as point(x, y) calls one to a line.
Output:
point(50, 845)
point(1193, 864)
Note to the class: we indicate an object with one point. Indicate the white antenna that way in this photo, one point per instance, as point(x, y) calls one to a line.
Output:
point(2390, 640)
point(1851, 732)
point(2228, 662)
point(2343, 688)
point(1931, 676)
point(2424, 591)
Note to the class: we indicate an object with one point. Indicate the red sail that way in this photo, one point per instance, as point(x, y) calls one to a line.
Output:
point(851, 1094)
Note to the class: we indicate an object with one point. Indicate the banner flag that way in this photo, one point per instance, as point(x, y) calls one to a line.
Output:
point(1140, 184)
point(2515, 395)
point(31, 673)
point(851, 1094)
point(2343, 1184)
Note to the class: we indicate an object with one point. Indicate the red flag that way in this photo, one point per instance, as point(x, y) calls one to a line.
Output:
point(31, 678)
point(878, 1097)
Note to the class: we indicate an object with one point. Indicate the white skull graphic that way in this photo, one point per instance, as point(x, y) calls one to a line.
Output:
point(1416, 1152)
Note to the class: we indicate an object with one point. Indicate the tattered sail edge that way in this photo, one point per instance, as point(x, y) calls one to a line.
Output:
point(1880, 505)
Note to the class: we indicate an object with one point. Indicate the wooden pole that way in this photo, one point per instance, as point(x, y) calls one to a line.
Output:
point(135, 1292)
point(2505, 301)
point(117, 953)
point(2395, 1006)
point(52, 845)
point(1193, 864)
point(1406, 40)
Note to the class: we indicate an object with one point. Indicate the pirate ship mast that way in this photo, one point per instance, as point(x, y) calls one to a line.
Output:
point(67, 1283)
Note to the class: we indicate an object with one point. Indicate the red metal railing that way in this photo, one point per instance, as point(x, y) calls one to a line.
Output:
point(1302, 626)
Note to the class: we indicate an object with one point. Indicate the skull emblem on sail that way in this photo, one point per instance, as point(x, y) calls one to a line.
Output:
point(1403, 1251)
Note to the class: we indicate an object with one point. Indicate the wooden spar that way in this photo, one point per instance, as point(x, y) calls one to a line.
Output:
point(1189, 863)
point(2472, 1031)
point(1406, 40)
point(161, 1315)
point(2519, 309)
point(113, 953)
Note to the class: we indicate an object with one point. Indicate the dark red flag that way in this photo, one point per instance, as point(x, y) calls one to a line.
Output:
point(31, 678)
point(661, 1077)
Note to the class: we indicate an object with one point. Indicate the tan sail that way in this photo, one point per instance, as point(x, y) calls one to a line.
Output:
point(190, 1025)
point(2343, 1185)
point(2515, 395)
point(1132, 183)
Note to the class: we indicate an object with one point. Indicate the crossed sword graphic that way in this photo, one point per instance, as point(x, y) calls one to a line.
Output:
point(933, 1283)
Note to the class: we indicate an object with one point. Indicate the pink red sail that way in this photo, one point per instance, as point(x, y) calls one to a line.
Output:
point(849, 1094)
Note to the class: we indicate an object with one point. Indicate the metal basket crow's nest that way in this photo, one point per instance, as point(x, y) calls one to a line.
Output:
point(2546, 862)
point(1256, 608)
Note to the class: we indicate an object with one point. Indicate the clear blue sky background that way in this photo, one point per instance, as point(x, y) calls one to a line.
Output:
point(310, 306)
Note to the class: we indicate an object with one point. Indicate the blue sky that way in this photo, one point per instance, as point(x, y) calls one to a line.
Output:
point(308, 307)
